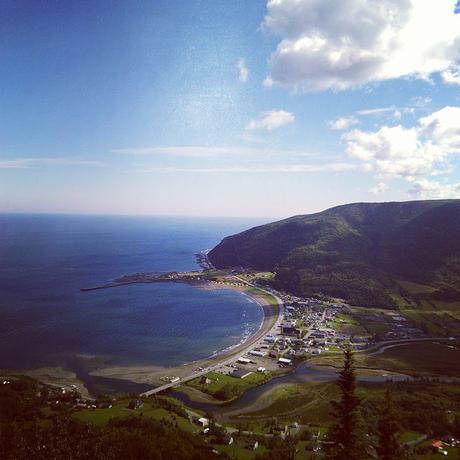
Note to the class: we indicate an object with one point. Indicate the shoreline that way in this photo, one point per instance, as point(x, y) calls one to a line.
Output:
point(151, 374)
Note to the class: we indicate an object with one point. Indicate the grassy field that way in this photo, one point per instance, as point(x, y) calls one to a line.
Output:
point(370, 321)
point(408, 436)
point(416, 288)
point(426, 320)
point(239, 452)
point(418, 359)
point(308, 403)
point(225, 387)
point(423, 358)
point(265, 295)
point(101, 417)
point(347, 324)
point(435, 316)
point(252, 277)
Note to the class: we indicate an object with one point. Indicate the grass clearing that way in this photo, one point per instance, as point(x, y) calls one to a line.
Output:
point(308, 403)
point(408, 436)
point(239, 452)
point(225, 387)
point(101, 417)
point(424, 358)
point(269, 298)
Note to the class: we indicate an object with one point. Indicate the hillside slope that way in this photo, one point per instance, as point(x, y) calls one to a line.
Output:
point(357, 251)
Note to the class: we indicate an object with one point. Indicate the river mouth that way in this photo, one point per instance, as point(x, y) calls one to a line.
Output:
point(304, 373)
point(97, 385)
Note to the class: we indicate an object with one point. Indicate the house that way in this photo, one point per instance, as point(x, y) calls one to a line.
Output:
point(293, 428)
point(438, 447)
point(252, 445)
point(289, 329)
point(205, 380)
point(285, 361)
point(242, 360)
point(318, 335)
point(135, 404)
point(227, 439)
point(257, 353)
point(270, 339)
point(449, 440)
point(241, 373)
point(203, 421)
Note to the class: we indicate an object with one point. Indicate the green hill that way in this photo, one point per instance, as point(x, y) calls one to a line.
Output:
point(360, 252)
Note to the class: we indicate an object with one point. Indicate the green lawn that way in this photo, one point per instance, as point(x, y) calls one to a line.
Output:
point(265, 295)
point(225, 387)
point(409, 436)
point(101, 417)
point(240, 453)
point(347, 324)
point(306, 402)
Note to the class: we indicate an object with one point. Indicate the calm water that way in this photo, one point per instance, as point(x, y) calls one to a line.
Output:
point(47, 321)
point(304, 373)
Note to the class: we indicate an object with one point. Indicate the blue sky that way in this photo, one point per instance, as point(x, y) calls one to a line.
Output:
point(240, 108)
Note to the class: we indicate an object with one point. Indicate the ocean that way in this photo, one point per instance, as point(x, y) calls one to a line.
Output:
point(47, 321)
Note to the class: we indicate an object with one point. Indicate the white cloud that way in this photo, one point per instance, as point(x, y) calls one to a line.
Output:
point(188, 151)
point(273, 119)
point(452, 75)
point(243, 71)
point(343, 123)
point(327, 44)
point(443, 127)
point(255, 169)
point(429, 189)
point(379, 188)
point(21, 163)
point(377, 111)
point(13, 164)
point(413, 153)
point(216, 152)
point(393, 151)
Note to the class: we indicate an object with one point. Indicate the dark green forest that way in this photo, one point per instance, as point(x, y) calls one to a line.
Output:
point(29, 430)
point(358, 252)
point(366, 419)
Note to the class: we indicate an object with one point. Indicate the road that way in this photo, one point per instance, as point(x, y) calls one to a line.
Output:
point(228, 359)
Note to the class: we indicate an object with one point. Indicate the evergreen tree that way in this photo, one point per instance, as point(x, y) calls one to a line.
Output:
point(389, 447)
point(347, 434)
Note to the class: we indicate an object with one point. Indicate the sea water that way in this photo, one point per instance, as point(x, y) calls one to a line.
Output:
point(45, 320)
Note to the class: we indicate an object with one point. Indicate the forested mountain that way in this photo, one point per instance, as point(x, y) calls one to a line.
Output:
point(360, 252)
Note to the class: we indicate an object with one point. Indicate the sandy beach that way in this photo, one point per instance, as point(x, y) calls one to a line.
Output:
point(56, 376)
point(153, 374)
point(158, 375)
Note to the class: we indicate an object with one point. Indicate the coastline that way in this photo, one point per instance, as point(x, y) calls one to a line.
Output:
point(129, 376)
point(152, 374)
point(54, 376)
point(155, 375)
